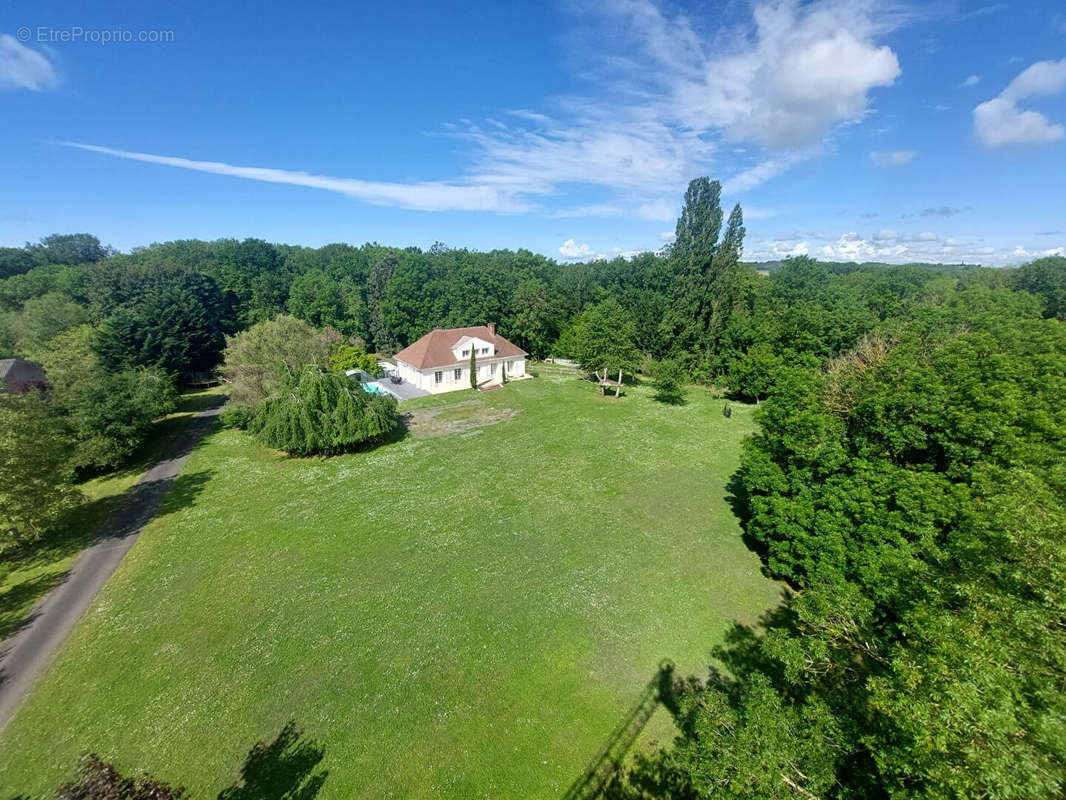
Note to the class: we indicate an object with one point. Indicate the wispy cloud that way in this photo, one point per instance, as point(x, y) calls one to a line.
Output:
point(22, 67)
point(668, 100)
point(940, 211)
point(973, 80)
point(425, 196)
point(999, 122)
point(984, 11)
point(895, 158)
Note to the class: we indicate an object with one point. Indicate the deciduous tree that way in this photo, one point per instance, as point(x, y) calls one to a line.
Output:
point(34, 488)
point(323, 413)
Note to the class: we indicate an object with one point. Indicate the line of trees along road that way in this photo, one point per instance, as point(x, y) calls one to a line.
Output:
point(907, 481)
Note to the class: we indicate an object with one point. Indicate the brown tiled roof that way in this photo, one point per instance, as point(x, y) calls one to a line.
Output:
point(435, 348)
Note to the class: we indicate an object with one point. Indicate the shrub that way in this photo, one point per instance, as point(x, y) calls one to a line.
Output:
point(668, 379)
point(236, 417)
point(348, 356)
point(323, 413)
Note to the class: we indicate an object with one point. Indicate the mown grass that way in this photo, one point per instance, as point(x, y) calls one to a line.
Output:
point(455, 616)
point(28, 573)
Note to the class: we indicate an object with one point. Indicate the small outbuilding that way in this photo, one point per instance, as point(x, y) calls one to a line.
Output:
point(18, 376)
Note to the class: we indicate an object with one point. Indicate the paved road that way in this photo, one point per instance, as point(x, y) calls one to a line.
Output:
point(25, 655)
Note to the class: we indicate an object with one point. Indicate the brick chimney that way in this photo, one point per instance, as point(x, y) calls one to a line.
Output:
point(492, 329)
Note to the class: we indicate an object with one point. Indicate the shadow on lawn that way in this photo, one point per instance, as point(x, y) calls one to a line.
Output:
point(109, 518)
point(281, 770)
point(607, 763)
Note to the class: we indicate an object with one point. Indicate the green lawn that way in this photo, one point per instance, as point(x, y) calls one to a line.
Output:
point(467, 612)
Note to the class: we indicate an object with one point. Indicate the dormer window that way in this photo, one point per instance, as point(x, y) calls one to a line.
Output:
point(466, 352)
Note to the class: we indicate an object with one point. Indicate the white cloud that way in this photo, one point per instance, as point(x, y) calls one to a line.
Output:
point(805, 69)
point(594, 210)
point(901, 248)
point(852, 247)
point(798, 249)
point(999, 122)
point(662, 210)
point(897, 247)
point(22, 67)
point(896, 158)
point(573, 251)
point(755, 212)
point(973, 80)
point(667, 95)
point(762, 172)
point(425, 196)
point(667, 236)
point(1023, 254)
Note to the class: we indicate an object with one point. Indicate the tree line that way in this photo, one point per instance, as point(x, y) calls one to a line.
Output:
point(906, 482)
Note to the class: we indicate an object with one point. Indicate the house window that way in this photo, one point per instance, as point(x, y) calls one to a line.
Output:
point(458, 374)
point(484, 351)
point(438, 377)
point(492, 369)
point(466, 352)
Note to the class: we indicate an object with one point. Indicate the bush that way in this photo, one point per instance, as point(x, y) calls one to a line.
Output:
point(668, 381)
point(236, 417)
point(323, 413)
point(347, 356)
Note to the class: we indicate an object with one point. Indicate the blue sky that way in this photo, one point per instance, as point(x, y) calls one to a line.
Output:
point(845, 128)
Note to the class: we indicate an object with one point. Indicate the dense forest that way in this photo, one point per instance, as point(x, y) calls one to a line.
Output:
point(908, 482)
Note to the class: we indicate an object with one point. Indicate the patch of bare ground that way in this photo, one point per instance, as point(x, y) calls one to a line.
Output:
point(429, 423)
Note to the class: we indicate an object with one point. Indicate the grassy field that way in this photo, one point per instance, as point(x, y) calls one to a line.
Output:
point(28, 574)
point(466, 612)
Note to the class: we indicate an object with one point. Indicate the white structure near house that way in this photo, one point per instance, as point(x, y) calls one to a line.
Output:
point(440, 360)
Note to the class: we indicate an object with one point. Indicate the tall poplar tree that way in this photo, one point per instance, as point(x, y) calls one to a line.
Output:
point(705, 266)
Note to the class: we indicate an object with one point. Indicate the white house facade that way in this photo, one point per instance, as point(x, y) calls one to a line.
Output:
point(440, 360)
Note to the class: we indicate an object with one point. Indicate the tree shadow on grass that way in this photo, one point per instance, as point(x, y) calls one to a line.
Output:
point(281, 770)
point(21, 596)
point(148, 500)
point(740, 503)
point(110, 518)
point(606, 765)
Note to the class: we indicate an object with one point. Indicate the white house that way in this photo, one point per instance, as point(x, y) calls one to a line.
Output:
point(440, 360)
